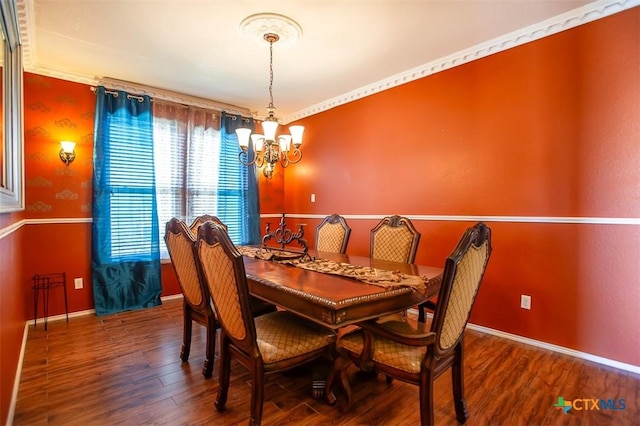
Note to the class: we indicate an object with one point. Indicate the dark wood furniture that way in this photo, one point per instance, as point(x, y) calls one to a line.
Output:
point(196, 301)
point(331, 300)
point(333, 234)
point(394, 238)
point(416, 352)
point(197, 307)
point(271, 343)
point(203, 219)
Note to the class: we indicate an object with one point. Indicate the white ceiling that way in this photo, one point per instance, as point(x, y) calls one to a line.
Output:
point(195, 47)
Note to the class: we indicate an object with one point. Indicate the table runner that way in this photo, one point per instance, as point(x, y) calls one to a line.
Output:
point(366, 274)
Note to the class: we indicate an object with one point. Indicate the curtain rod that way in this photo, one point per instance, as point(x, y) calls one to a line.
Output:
point(139, 89)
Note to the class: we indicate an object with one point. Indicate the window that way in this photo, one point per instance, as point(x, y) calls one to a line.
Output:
point(197, 171)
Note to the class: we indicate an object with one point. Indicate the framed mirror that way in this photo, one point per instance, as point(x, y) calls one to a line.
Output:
point(11, 132)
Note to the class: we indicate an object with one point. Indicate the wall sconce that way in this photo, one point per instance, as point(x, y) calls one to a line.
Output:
point(67, 152)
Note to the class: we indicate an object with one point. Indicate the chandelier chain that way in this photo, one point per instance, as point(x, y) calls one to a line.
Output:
point(271, 74)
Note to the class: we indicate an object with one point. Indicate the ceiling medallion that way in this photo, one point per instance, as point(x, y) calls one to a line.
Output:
point(255, 27)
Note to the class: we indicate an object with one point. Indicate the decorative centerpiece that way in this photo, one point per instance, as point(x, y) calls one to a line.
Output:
point(284, 236)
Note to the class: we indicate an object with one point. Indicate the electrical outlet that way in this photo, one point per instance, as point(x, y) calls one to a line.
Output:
point(78, 283)
point(525, 301)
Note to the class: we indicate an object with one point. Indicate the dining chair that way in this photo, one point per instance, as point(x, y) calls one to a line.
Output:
point(258, 306)
point(197, 305)
point(414, 352)
point(394, 239)
point(332, 235)
point(202, 219)
point(196, 302)
point(270, 343)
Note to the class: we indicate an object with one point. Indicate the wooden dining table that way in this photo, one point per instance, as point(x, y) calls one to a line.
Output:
point(336, 301)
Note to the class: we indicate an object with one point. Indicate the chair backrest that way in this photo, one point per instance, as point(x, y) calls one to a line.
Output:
point(462, 276)
point(203, 219)
point(224, 275)
point(332, 235)
point(394, 239)
point(180, 244)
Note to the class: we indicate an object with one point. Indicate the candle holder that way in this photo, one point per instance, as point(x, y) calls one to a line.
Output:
point(284, 236)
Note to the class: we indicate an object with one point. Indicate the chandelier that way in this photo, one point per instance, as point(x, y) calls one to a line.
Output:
point(267, 150)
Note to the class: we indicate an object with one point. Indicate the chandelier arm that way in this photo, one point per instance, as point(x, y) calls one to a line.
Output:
point(259, 161)
point(246, 155)
point(295, 157)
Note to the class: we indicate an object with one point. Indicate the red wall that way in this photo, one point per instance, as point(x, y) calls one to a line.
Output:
point(12, 315)
point(548, 129)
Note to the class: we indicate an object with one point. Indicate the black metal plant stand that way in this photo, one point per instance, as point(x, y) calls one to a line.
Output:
point(44, 283)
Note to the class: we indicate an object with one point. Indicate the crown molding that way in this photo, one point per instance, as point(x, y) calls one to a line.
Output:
point(573, 18)
point(582, 15)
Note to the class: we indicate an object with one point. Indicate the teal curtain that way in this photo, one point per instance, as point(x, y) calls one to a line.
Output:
point(238, 196)
point(125, 237)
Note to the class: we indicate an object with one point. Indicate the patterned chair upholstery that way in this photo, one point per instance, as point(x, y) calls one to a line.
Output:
point(203, 219)
point(270, 343)
point(258, 306)
point(414, 352)
point(394, 239)
point(332, 235)
point(196, 301)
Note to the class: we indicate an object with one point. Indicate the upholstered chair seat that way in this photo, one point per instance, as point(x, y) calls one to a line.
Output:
point(283, 335)
point(390, 352)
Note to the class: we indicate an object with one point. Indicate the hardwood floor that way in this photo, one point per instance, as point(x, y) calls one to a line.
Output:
point(126, 369)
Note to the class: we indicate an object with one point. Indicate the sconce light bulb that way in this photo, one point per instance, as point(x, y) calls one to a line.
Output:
point(67, 152)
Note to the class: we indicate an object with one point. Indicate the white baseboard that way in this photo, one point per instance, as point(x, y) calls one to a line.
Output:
point(551, 347)
point(555, 348)
point(16, 381)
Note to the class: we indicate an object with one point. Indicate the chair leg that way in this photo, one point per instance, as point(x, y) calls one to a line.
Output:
point(224, 374)
point(207, 369)
point(257, 394)
point(426, 401)
point(186, 334)
point(457, 377)
point(421, 314)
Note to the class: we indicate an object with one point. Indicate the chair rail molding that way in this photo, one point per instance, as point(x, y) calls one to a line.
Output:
point(456, 218)
point(7, 230)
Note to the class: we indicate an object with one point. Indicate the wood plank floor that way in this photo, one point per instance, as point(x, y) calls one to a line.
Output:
point(125, 369)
